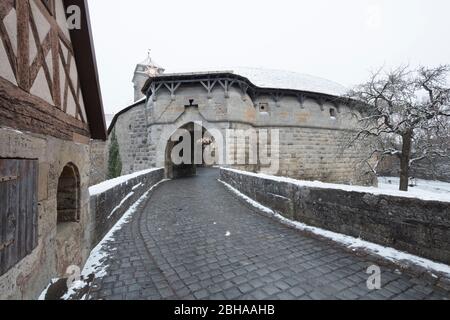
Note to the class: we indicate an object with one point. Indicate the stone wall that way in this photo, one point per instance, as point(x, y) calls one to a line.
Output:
point(109, 206)
point(59, 244)
point(420, 227)
point(99, 162)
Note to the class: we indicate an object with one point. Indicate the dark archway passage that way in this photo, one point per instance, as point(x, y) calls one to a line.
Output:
point(197, 140)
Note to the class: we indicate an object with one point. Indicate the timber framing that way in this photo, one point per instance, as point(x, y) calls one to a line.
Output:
point(22, 111)
point(56, 55)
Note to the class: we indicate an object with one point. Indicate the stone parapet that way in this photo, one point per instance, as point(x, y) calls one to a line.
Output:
point(417, 226)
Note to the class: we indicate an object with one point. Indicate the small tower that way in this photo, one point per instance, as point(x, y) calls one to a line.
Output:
point(143, 71)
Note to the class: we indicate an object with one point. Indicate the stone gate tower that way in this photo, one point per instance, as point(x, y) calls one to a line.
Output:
point(312, 115)
point(143, 71)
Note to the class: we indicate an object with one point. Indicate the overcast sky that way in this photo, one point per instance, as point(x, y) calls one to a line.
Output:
point(338, 40)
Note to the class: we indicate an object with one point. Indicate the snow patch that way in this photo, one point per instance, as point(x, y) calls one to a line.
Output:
point(419, 186)
point(109, 184)
point(44, 293)
point(120, 204)
point(423, 195)
point(94, 264)
point(280, 79)
point(137, 186)
point(77, 285)
point(387, 253)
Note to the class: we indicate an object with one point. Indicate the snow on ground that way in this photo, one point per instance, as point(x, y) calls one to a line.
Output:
point(423, 194)
point(96, 261)
point(120, 204)
point(109, 184)
point(44, 293)
point(419, 186)
point(390, 254)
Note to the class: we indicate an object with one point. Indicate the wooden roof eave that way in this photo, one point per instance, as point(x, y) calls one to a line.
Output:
point(84, 52)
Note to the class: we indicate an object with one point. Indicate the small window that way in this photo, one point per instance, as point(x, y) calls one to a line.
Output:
point(264, 107)
point(68, 197)
point(333, 113)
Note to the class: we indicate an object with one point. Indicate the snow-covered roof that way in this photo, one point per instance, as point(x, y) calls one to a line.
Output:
point(277, 79)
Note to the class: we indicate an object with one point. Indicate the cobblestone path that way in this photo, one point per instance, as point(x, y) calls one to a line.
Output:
point(196, 240)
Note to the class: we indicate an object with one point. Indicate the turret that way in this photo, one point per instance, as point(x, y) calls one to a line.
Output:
point(143, 71)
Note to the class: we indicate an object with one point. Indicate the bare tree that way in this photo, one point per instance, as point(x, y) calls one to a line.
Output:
point(406, 114)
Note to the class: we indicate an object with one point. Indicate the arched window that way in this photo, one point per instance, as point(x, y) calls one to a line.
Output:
point(68, 197)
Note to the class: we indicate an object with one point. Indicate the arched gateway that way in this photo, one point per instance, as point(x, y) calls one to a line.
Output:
point(311, 115)
point(189, 147)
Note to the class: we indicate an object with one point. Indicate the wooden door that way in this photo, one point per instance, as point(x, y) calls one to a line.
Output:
point(18, 210)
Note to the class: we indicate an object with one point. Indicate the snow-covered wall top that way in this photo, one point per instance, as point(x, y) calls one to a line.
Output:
point(110, 184)
point(408, 224)
point(109, 200)
point(419, 194)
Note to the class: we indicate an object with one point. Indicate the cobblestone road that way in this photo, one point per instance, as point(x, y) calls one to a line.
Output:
point(195, 240)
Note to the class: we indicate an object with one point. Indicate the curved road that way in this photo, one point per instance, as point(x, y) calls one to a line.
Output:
point(196, 240)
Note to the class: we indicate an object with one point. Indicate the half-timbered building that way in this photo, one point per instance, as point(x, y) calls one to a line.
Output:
point(51, 119)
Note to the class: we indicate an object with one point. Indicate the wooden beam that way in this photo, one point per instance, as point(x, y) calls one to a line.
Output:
point(66, 82)
point(52, 21)
point(56, 85)
point(23, 111)
point(172, 87)
point(301, 99)
point(9, 48)
point(155, 88)
point(23, 50)
point(71, 85)
point(5, 7)
point(42, 51)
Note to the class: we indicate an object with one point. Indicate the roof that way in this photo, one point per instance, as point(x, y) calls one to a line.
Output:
point(117, 115)
point(83, 46)
point(267, 78)
point(274, 79)
point(149, 62)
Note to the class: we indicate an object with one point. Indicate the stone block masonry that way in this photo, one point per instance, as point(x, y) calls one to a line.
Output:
point(98, 161)
point(110, 199)
point(417, 226)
